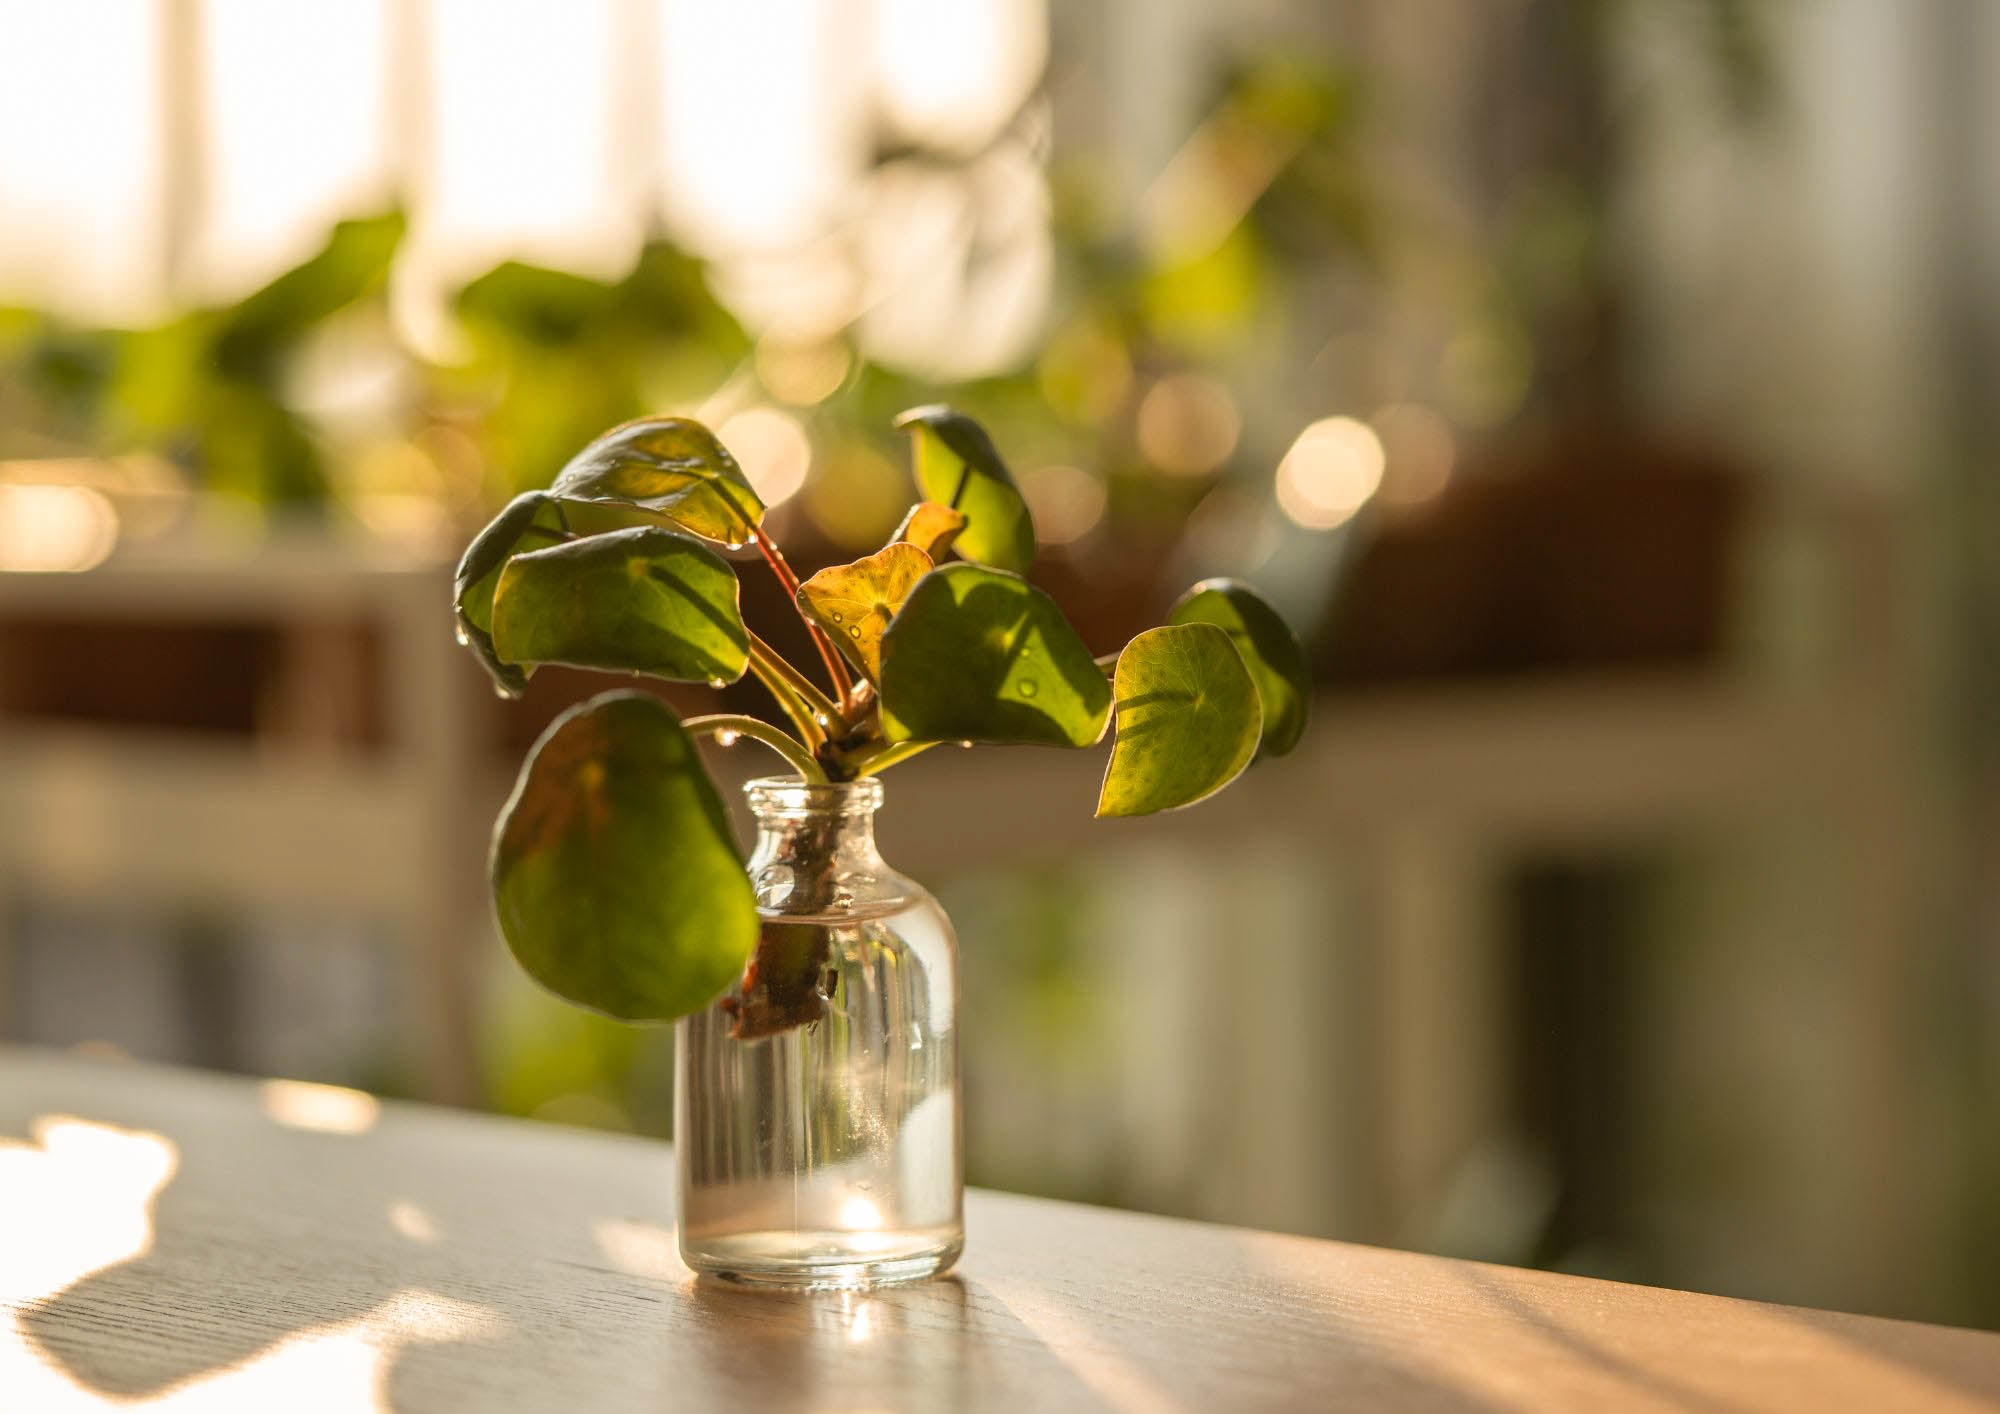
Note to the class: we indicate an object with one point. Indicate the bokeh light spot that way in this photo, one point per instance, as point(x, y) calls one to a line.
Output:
point(1066, 501)
point(1188, 424)
point(55, 528)
point(802, 374)
point(1332, 469)
point(772, 448)
point(1420, 454)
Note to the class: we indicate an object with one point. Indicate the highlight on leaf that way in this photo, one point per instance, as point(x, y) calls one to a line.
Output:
point(958, 466)
point(930, 527)
point(854, 603)
point(640, 601)
point(1270, 651)
point(978, 654)
point(1188, 720)
point(665, 470)
point(616, 881)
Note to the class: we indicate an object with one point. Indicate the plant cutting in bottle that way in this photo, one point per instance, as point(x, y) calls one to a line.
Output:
point(615, 878)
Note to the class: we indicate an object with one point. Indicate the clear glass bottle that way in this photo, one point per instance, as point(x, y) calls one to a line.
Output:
point(816, 1106)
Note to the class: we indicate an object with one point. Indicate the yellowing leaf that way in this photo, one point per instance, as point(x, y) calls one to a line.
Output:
point(930, 527)
point(854, 603)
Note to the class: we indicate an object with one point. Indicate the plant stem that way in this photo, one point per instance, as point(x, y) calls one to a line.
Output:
point(809, 708)
point(887, 756)
point(796, 712)
point(721, 723)
point(836, 669)
point(1108, 664)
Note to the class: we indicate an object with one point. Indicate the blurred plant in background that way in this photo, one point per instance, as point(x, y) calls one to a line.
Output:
point(209, 389)
point(1127, 389)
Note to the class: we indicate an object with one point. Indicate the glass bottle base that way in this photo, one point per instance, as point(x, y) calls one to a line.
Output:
point(825, 1261)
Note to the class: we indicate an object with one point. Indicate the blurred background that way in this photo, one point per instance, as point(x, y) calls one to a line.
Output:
point(1606, 388)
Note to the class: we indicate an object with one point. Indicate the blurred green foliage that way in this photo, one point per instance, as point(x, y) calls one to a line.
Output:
point(556, 358)
point(545, 358)
point(206, 388)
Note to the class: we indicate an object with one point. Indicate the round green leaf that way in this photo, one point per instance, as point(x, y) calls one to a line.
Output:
point(1188, 720)
point(1270, 650)
point(854, 603)
point(958, 466)
point(615, 880)
point(636, 601)
point(530, 516)
point(671, 470)
point(526, 521)
point(977, 654)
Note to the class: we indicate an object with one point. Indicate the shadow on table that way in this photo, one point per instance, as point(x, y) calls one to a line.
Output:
point(194, 1295)
point(441, 1262)
point(349, 1267)
point(1960, 1360)
point(1663, 1388)
point(1913, 1355)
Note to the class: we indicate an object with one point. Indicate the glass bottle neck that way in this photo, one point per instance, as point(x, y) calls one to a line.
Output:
point(815, 851)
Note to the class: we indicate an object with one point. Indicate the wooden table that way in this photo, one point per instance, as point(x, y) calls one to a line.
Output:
point(180, 1241)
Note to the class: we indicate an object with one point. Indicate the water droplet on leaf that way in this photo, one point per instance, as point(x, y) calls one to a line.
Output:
point(854, 632)
point(1027, 686)
point(728, 736)
point(718, 683)
point(464, 638)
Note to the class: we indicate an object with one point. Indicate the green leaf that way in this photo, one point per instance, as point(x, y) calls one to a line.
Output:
point(1270, 650)
point(479, 566)
point(982, 655)
point(958, 466)
point(1188, 720)
point(615, 880)
point(353, 263)
point(524, 522)
point(672, 471)
point(537, 305)
point(637, 601)
point(930, 527)
point(854, 603)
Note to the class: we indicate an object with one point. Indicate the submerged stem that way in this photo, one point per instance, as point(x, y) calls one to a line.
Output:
point(719, 723)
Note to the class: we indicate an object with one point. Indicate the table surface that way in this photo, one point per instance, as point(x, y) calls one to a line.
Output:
point(174, 1240)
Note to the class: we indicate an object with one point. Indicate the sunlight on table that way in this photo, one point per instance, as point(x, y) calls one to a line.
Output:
point(78, 1198)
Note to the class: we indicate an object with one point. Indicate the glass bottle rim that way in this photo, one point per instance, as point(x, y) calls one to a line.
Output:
point(788, 795)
